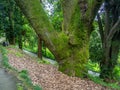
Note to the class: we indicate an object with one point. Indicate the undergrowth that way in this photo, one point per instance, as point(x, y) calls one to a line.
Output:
point(95, 68)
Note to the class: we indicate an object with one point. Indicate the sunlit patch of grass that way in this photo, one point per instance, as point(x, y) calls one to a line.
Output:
point(93, 66)
point(43, 61)
point(19, 87)
point(116, 73)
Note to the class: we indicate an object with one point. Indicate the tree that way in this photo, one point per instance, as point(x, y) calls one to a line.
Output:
point(18, 27)
point(10, 11)
point(40, 48)
point(71, 46)
point(11, 22)
point(110, 37)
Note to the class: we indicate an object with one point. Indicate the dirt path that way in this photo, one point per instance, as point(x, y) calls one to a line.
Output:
point(7, 81)
point(48, 76)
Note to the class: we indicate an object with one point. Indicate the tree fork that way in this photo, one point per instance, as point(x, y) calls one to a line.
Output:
point(71, 50)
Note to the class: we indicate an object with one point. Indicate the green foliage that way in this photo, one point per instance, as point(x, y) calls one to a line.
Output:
point(93, 66)
point(4, 57)
point(24, 74)
point(95, 47)
point(46, 52)
point(37, 88)
point(30, 37)
point(116, 73)
point(55, 15)
point(19, 87)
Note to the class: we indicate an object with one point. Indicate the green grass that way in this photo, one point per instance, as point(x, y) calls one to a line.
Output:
point(24, 75)
point(43, 61)
point(18, 54)
point(45, 53)
point(101, 82)
point(19, 87)
point(4, 58)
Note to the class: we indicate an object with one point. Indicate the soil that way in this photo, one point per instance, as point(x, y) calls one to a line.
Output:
point(48, 76)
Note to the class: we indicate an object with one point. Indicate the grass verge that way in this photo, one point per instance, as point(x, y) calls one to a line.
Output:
point(25, 82)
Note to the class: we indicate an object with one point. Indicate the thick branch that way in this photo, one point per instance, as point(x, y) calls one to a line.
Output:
point(68, 8)
point(37, 17)
point(114, 30)
point(93, 8)
point(100, 27)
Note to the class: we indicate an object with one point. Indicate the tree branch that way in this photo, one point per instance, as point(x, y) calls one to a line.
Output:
point(114, 30)
point(68, 8)
point(38, 19)
point(93, 8)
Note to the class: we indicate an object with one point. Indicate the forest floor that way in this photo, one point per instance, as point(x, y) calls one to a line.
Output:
point(46, 75)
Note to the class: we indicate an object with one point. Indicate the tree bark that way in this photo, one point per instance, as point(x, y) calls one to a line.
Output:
point(11, 36)
point(40, 48)
point(71, 50)
point(20, 44)
point(108, 67)
point(110, 42)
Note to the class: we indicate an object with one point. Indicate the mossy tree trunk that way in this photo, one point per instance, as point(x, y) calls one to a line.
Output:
point(70, 47)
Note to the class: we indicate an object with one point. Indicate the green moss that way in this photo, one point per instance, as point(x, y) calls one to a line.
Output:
point(63, 47)
point(75, 65)
point(75, 52)
point(78, 31)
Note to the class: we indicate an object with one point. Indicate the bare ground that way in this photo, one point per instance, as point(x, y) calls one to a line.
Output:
point(47, 76)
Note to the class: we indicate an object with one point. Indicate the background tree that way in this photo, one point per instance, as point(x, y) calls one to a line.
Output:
point(11, 21)
point(110, 36)
point(10, 29)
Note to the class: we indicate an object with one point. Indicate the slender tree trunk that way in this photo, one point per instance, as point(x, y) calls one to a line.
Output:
point(20, 42)
point(40, 48)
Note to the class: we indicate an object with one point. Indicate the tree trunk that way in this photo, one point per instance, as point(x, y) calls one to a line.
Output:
point(70, 48)
point(40, 48)
point(20, 42)
point(11, 36)
point(111, 39)
point(108, 67)
point(74, 63)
